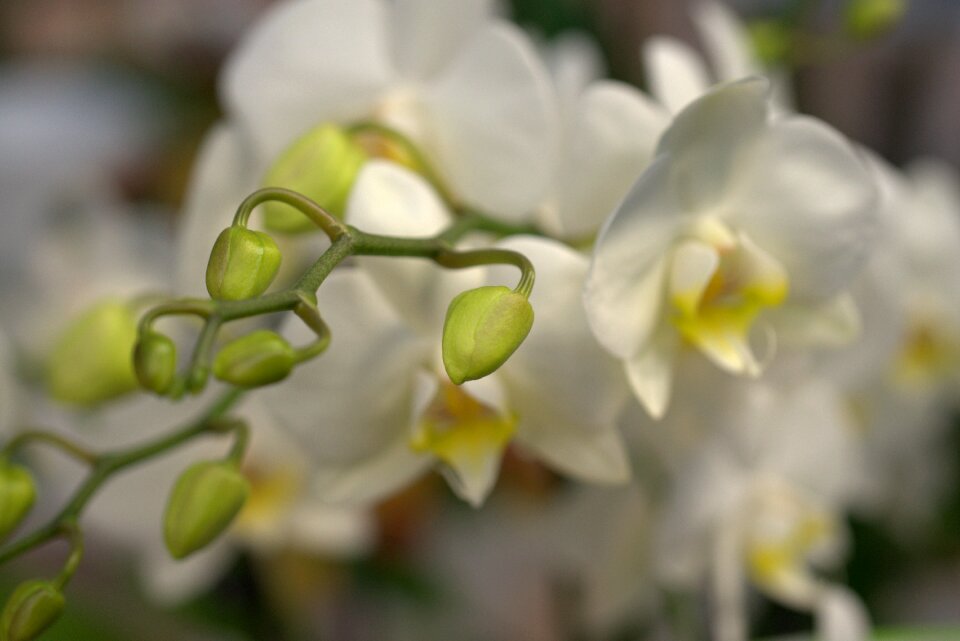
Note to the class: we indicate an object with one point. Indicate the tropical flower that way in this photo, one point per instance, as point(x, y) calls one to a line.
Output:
point(762, 498)
point(727, 232)
point(466, 88)
point(377, 410)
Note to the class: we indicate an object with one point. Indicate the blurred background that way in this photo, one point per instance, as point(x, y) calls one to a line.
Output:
point(116, 95)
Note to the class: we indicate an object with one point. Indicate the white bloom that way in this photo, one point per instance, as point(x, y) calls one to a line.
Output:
point(466, 87)
point(740, 213)
point(376, 409)
point(763, 497)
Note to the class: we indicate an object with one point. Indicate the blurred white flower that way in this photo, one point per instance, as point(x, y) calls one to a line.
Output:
point(377, 410)
point(743, 221)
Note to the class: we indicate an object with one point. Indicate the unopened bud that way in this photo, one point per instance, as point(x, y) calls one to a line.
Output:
point(32, 608)
point(242, 264)
point(17, 493)
point(772, 40)
point(259, 358)
point(90, 362)
point(322, 165)
point(483, 327)
point(155, 362)
point(868, 19)
point(205, 499)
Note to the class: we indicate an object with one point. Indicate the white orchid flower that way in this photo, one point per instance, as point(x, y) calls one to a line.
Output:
point(762, 498)
point(677, 74)
point(743, 221)
point(376, 409)
point(466, 87)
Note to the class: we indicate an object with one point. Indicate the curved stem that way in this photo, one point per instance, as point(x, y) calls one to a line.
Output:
point(323, 219)
point(50, 438)
point(71, 530)
point(111, 463)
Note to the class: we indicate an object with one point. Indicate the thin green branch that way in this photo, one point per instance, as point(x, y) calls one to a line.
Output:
point(48, 437)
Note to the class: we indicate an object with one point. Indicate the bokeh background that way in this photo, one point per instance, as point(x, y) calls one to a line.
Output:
point(121, 92)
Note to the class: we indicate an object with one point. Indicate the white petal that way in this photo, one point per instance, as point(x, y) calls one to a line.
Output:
point(367, 480)
point(388, 199)
point(221, 179)
point(806, 198)
point(306, 63)
point(574, 60)
point(332, 531)
point(170, 583)
point(613, 136)
point(834, 323)
point(354, 401)
point(427, 34)
point(726, 40)
point(495, 123)
point(624, 290)
point(710, 141)
point(841, 616)
point(675, 72)
point(650, 371)
point(692, 265)
point(566, 391)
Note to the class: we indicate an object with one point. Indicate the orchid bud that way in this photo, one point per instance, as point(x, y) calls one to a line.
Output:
point(259, 358)
point(17, 493)
point(155, 362)
point(322, 165)
point(483, 327)
point(90, 362)
point(772, 40)
point(32, 608)
point(242, 264)
point(204, 501)
point(869, 19)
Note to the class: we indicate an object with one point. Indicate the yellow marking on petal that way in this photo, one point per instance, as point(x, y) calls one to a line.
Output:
point(717, 317)
point(928, 355)
point(272, 493)
point(460, 430)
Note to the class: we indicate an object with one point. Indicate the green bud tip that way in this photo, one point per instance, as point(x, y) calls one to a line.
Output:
point(32, 608)
point(483, 327)
point(259, 358)
point(17, 494)
point(868, 19)
point(771, 40)
point(322, 165)
point(155, 362)
point(242, 264)
point(204, 501)
point(90, 362)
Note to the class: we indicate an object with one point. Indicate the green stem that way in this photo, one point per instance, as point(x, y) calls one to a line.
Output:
point(473, 220)
point(111, 463)
point(323, 219)
point(50, 438)
point(71, 530)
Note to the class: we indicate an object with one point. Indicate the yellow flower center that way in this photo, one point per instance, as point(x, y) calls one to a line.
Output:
point(718, 284)
point(462, 431)
point(273, 492)
point(928, 354)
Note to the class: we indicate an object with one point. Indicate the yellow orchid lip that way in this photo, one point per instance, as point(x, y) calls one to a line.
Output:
point(719, 282)
point(460, 430)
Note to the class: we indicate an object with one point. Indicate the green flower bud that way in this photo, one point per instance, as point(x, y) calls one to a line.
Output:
point(483, 327)
point(90, 362)
point(322, 165)
point(32, 608)
point(869, 19)
point(17, 493)
point(205, 499)
point(260, 358)
point(155, 362)
point(242, 264)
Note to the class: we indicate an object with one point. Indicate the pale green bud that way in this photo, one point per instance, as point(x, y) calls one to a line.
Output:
point(205, 499)
point(322, 165)
point(868, 19)
point(259, 358)
point(90, 362)
point(242, 264)
point(483, 327)
point(155, 362)
point(17, 493)
point(32, 608)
